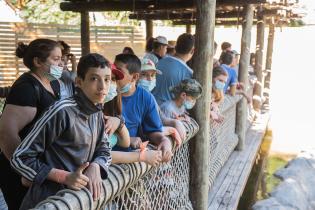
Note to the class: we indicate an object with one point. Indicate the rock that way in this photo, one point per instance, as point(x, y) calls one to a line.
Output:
point(270, 203)
point(297, 190)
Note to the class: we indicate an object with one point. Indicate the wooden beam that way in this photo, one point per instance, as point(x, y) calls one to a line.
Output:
point(217, 22)
point(85, 33)
point(179, 15)
point(257, 98)
point(200, 146)
point(241, 109)
point(149, 28)
point(119, 6)
point(138, 5)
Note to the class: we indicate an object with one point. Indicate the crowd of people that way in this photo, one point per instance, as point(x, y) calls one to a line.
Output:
point(62, 127)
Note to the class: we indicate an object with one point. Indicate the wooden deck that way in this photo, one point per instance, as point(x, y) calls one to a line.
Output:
point(231, 181)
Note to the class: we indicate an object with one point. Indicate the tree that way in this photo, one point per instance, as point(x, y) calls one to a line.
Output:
point(48, 11)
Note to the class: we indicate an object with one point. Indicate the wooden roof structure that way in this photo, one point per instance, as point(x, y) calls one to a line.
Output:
point(183, 12)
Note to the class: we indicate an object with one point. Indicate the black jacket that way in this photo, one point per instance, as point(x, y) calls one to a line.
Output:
point(69, 133)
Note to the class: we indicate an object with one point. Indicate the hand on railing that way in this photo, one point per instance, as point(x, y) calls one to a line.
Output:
point(95, 181)
point(170, 131)
point(216, 117)
point(76, 180)
point(135, 142)
point(166, 147)
point(178, 125)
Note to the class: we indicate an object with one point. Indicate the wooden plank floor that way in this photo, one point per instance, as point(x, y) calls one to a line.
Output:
point(3, 205)
point(231, 180)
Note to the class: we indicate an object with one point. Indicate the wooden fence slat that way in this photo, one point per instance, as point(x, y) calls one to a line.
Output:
point(109, 41)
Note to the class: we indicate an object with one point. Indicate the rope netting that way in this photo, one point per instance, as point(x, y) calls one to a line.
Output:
point(139, 186)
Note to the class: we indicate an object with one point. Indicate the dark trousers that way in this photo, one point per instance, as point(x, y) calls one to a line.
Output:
point(10, 184)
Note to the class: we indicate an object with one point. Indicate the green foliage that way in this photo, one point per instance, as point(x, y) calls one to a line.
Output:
point(38, 11)
point(296, 23)
point(48, 11)
point(274, 163)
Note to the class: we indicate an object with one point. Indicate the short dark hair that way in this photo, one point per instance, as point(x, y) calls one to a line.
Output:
point(92, 60)
point(185, 43)
point(226, 58)
point(225, 45)
point(217, 71)
point(38, 48)
point(156, 45)
point(129, 50)
point(132, 61)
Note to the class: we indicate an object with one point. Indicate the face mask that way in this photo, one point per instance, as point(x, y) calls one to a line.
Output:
point(111, 93)
point(189, 104)
point(219, 85)
point(113, 139)
point(126, 88)
point(146, 84)
point(55, 72)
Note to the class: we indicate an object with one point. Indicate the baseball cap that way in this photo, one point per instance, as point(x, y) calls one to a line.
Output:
point(117, 72)
point(147, 64)
point(162, 40)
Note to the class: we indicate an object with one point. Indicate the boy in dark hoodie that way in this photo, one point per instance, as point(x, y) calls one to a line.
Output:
point(68, 147)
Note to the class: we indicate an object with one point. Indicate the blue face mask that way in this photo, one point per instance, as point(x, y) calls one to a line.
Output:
point(146, 84)
point(126, 88)
point(111, 93)
point(219, 85)
point(113, 139)
point(189, 104)
point(55, 72)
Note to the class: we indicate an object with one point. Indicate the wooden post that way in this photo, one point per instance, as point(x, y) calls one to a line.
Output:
point(85, 33)
point(257, 175)
point(16, 39)
point(257, 98)
point(188, 28)
point(241, 111)
point(149, 28)
point(202, 65)
point(269, 57)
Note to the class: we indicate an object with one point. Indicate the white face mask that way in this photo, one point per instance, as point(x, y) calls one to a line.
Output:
point(112, 93)
point(146, 84)
point(55, 72)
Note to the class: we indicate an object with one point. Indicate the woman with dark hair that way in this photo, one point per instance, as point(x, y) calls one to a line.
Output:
point(30, 95)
